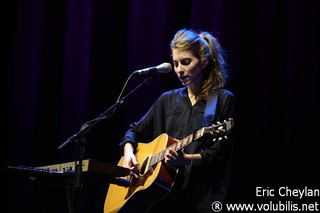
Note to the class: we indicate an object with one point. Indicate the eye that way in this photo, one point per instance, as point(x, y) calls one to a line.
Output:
point(186, 61)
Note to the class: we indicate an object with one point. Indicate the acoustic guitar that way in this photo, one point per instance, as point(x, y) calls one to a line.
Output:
point(154, 179)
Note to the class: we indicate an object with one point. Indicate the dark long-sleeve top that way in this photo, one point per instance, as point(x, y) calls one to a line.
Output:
point(173, 113)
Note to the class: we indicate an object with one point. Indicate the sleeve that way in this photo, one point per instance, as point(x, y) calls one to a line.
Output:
point(219, 148)
point(146, 129)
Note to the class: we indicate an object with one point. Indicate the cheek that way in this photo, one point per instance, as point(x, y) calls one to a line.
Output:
point(195, 71)
point(176, 71)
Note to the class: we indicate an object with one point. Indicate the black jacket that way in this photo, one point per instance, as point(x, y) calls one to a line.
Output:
point(172, 113)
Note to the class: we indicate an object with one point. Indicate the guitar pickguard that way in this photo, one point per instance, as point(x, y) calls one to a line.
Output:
point(138, 181)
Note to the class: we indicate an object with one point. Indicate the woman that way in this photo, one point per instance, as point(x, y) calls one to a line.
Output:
point(203, 166)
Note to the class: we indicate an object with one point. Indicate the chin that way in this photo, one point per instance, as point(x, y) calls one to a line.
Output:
point(184, 82)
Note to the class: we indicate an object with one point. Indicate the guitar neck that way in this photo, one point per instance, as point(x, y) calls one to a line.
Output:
point(180, 144)
point(214, 129)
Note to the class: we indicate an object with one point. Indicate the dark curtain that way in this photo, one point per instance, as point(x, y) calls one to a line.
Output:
point(65, 62)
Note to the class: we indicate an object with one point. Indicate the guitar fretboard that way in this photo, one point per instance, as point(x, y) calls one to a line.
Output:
point(177, 146)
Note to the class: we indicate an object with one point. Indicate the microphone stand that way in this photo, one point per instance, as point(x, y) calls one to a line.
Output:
point(80, 140)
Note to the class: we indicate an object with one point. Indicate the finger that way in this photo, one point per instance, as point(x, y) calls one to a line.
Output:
point(168, 155)
point(173, 156)
point(134, 174)
point(173, 153)
point(166, 160)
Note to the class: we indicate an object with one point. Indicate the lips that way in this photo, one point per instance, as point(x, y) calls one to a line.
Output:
point(183, 79)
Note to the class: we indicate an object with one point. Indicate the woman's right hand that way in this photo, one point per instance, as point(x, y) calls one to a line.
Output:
point(129, 159)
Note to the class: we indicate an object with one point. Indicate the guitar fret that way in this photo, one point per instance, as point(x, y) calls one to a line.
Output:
point(172, 147)
point(187, 140)
point(161, 154)
point(153, 160)
point(157, 157)
point(190, 138)
point(179, 145)
point(198, 134)
point(184, 141)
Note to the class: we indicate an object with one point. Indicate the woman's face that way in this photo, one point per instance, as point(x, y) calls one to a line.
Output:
point(187, 67)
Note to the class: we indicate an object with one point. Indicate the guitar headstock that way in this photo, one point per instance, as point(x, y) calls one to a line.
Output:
point(220, 127)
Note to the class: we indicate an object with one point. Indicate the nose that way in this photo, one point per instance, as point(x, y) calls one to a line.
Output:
point(179, 68)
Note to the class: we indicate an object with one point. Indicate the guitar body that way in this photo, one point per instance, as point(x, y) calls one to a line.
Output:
point(154, 179)
point(151, 185)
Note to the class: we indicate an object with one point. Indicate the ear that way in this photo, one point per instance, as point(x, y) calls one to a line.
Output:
point(204, 64)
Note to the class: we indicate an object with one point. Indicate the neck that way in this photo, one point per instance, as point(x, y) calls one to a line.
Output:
point(194, 90)
point(193, 96)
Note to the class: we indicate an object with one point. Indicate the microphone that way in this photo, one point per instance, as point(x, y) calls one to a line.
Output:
point(162, 68)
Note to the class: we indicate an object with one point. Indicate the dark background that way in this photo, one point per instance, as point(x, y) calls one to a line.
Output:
point(64, 63)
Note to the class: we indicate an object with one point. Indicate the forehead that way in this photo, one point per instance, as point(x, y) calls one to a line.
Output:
point(178, 55)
